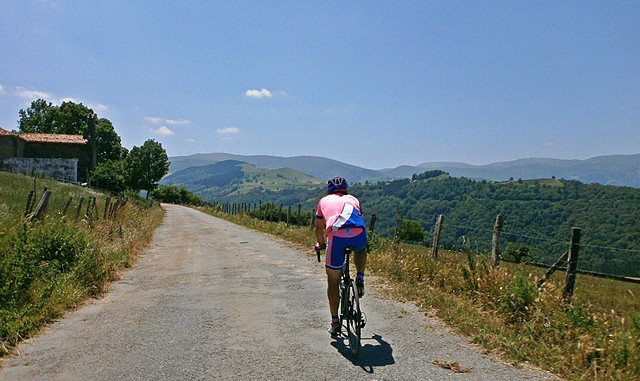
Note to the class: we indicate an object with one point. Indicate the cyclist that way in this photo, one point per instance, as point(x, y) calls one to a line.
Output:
point(340, 216)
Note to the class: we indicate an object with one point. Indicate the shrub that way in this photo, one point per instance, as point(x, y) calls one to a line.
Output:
point(518, 298)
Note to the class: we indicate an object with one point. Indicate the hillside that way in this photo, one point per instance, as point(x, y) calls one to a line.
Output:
point(538, 214)
point(317, 167)
point(232, 180)
point(621, 170)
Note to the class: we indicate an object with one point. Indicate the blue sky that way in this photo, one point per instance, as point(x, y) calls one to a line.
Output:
point(375, 84)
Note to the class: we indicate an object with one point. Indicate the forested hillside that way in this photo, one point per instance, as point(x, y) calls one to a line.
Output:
point(538, 215)
point(236, 181)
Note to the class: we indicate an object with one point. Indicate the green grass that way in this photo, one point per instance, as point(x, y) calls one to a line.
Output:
point(50, 266)
point(596, 337)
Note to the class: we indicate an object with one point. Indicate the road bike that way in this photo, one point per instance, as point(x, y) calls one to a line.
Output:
point(351, 316)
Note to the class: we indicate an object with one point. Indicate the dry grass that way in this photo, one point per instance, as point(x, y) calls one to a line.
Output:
point(54, 265)
point(597, 337)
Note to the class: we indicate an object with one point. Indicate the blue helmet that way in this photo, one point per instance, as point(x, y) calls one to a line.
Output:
point(336, 183)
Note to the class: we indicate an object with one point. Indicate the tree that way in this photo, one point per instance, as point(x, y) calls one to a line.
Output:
point(71, 118)
point(412, 231)
point(146, 165)
point(38, 117)
point(109, 175)
point(173, 194)
point(108, 142)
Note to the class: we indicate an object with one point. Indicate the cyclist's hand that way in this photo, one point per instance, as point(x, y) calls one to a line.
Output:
point(318, 246)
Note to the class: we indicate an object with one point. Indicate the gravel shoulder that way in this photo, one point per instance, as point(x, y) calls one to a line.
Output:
point(213, 300)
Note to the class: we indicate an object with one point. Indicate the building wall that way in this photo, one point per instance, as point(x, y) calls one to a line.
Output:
point(61, 169)
point(10, 146)
point(58, 150)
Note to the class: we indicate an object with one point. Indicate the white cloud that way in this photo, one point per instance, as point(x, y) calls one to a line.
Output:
point(177, 121)
point(2, 91)
point(264, 93)
point(163, 130)
point(228, 131)
point(156, 120)
point(549, 144)
point(190, 140)
point(153, 119)
point(31, 94)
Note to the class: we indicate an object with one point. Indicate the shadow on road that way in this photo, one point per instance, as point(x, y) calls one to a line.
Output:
point(371, 355)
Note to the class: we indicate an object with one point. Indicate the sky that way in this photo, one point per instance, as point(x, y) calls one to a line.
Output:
point(375, 84)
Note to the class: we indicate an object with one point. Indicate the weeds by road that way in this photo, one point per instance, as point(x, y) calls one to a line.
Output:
point(597, 337)
point(54, 265)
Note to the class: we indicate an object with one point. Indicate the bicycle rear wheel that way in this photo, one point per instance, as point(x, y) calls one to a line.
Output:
point(353, 319)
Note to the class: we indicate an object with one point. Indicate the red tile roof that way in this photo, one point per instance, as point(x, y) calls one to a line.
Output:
point(53, 138)
point(4, 132)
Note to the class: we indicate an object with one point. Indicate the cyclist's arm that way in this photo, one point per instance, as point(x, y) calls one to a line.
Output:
point(320, 229)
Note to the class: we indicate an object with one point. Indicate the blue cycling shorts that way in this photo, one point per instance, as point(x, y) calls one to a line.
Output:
point(336, 243)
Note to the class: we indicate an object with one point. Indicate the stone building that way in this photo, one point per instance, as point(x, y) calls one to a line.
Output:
point(66, 157)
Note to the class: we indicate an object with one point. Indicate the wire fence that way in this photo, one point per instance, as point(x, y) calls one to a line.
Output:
point(513, 246)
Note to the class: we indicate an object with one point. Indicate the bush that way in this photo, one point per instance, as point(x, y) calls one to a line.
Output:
point(412, 231)
point(518, 298)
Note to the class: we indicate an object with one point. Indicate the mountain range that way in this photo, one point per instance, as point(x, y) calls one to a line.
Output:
point(621, 170)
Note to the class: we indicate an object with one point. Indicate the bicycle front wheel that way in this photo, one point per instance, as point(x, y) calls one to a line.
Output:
point(353, 319)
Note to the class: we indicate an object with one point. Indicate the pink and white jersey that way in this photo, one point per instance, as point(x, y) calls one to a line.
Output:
point(340, 211)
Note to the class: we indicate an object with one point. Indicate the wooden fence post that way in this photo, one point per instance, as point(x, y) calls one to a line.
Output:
point(398, 227)
point(280, 213)
point(107, 204)
point(570, 279)
point(89, 205)
point(313, 218)
point(289, 215)
point(79, 208)
point(436, 235)
point(552, 269)
point(372, 224)
point(495, 242)
point(29, 206)
point(299, 219)
point(64, 211)
point(41, 210)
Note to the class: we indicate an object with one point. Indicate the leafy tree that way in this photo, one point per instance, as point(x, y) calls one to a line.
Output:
point(108, 142)
point(173, 194)
point(38, 117)
point(146, 165)
point(71, 118)
point(412, 231)
point(109, 175)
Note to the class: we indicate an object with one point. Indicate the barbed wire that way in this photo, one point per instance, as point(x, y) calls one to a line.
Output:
point(551, 240)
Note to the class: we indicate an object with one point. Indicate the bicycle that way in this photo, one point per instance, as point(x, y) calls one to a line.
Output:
point(351, 316)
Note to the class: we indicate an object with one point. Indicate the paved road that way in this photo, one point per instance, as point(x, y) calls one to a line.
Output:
point(212, 300)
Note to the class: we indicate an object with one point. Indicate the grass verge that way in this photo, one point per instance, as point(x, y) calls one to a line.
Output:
point(54, 265)
point(596, 337)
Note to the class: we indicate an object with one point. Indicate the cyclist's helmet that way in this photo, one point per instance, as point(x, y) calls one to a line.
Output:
point(336, 183)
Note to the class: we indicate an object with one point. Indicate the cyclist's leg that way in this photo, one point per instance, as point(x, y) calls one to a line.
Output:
point(334, 259)
point(360, 257)
point(360, 260)
point(333, 289)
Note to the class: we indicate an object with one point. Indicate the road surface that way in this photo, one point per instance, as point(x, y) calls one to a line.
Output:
point(211, 300)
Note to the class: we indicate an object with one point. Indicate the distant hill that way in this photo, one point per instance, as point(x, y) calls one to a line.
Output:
point(232, 180)
point(607, 170)
point(538, 214)
point(621, 170)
